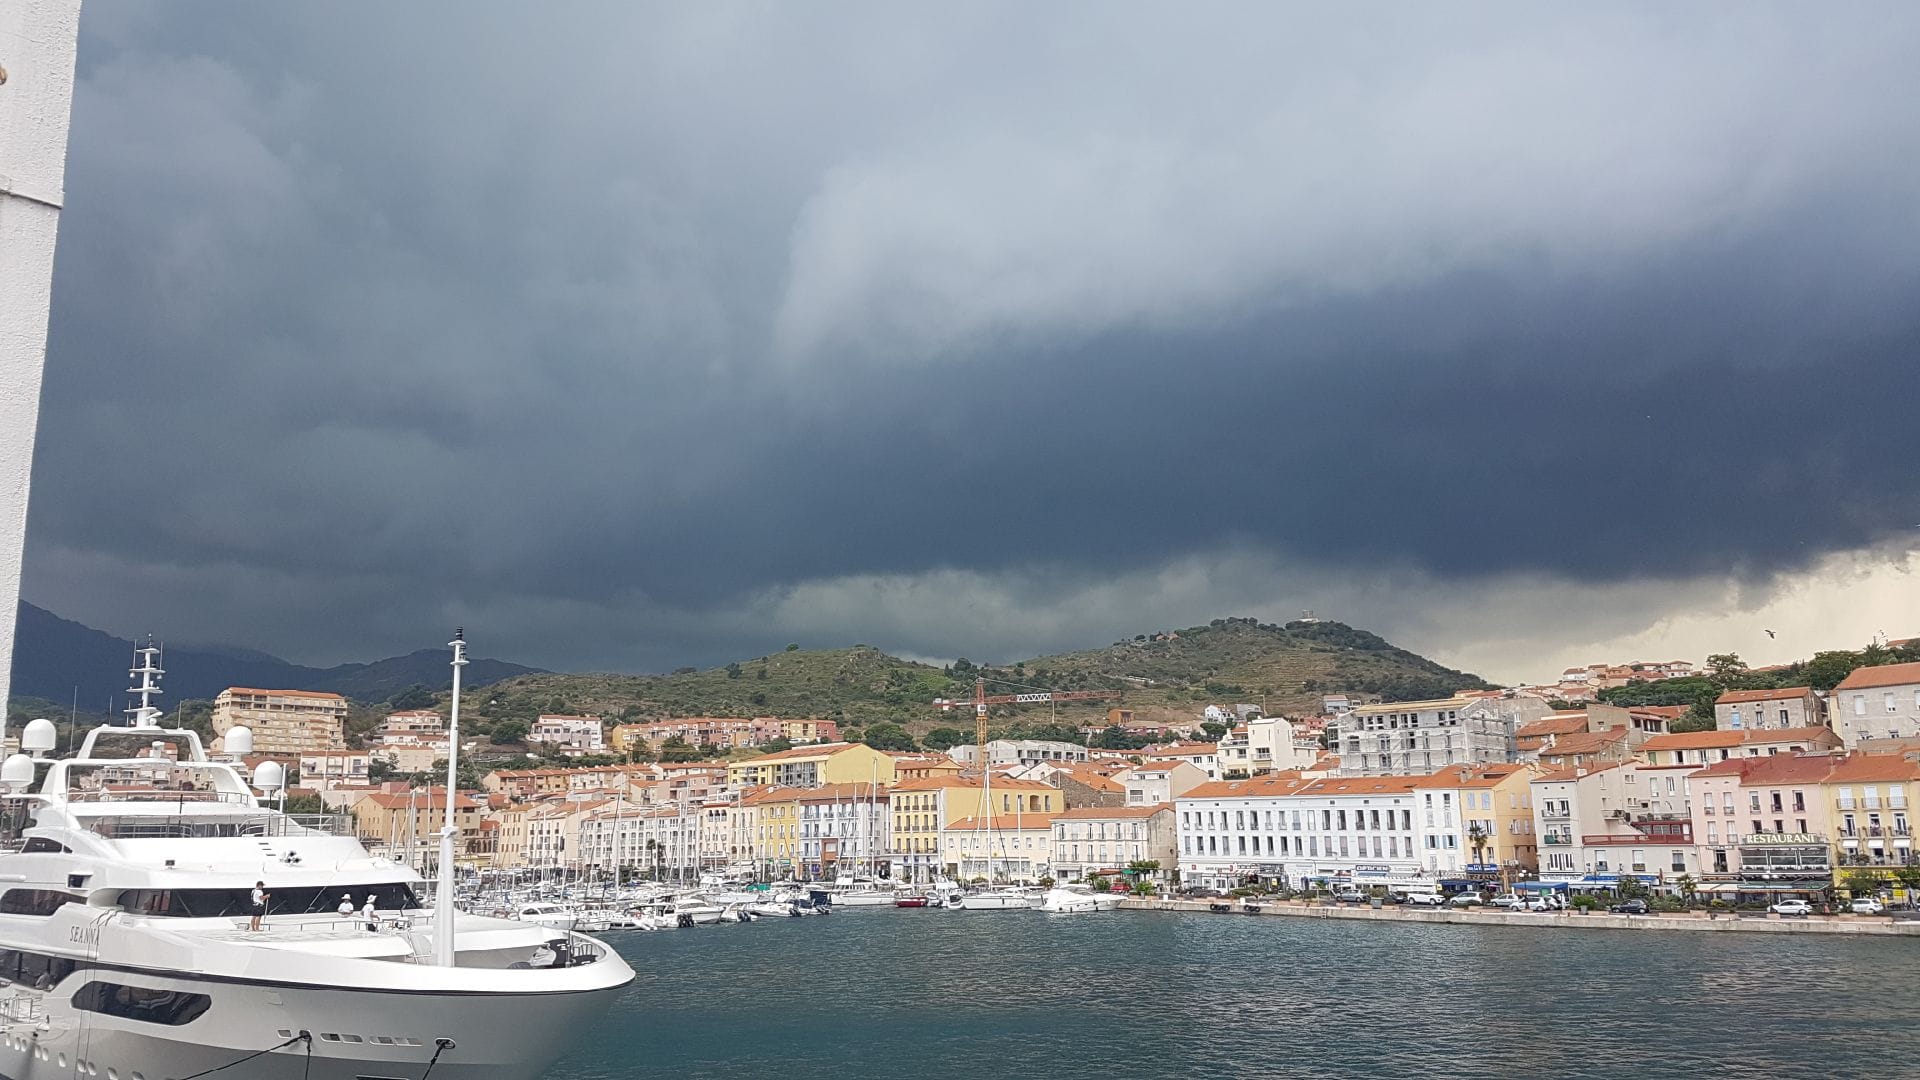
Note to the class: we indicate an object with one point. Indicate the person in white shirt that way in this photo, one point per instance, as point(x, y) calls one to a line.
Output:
point(366, 912)
point(346, 905)
point(260, 898)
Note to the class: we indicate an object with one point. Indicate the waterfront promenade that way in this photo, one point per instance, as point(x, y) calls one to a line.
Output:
point(1728, 922)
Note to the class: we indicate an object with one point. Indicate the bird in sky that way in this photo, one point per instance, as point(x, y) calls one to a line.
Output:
point(1771, 634)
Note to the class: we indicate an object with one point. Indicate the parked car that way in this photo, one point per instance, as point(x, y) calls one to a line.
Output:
point(1426, 899)
point(1791, 907)
point(1350, 896)
point(1465, 899)
point(1636, 906)
point(1509, 900)
point(1544, 902)
point(1867, 905)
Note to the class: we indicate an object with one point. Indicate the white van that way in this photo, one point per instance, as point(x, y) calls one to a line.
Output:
point(1425, 896)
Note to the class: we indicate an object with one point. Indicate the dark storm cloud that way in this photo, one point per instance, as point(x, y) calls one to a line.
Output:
point(619, 331)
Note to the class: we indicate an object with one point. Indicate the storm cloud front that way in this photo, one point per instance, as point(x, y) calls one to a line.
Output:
point(637, 336)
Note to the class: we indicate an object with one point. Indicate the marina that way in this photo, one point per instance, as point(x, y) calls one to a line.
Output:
point(1154, 994)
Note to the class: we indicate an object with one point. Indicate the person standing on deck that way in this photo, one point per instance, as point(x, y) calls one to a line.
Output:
point(260, 898)
point(346, 905)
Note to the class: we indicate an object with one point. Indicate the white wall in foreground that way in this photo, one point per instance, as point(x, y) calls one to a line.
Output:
point(37, 40)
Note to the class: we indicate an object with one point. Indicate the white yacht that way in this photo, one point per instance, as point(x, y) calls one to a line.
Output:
point(1001, 898)
point(1064, 899)
point(126, 881)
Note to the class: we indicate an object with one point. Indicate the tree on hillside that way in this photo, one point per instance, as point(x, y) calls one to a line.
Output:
point(733, 670)
point(413, 697)
point(675, 748)
point(1693, 721)
point(889, 737)
point(1727, 670)
point(943, 738)
point(510, 731)
point(776, 744)
point(1826, 669)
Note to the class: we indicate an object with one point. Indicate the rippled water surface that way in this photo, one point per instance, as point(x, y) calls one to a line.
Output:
point(883, 993)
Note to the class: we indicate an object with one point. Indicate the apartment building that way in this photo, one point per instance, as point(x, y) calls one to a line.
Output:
point(1598, 825)
point(1711, 747)
point(575, 736)
point(1877, 703)
point(1109, 839)
point(282, 721)
point(1418, 737)
point(1789, 707)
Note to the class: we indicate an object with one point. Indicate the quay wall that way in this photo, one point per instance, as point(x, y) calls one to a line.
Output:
point(1768, 924)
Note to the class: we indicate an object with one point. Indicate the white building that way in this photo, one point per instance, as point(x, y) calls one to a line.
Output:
point(1596, 824)
point(574, 735)
point(1775, 710)
point(1019, 752)
point(845, 829)
point(1330, 831)
point(1204, 756)
point(1158, 782)
point(37, 39)
point(1877, 703)
point(661, 841)
point(1263, 744)
point(1110, 838)
point(1411, 738)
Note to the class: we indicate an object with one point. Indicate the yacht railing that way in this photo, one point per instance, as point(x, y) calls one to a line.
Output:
point(183, 828)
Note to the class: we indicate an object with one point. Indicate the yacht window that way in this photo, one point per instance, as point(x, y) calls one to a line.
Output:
point(171, 1007)
point(36, 901)
point(234, 903)
point(33, 969)
point(41, 843)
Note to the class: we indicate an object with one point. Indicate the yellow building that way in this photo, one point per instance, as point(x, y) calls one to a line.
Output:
point(815, 766)
point(1869, 802)
point(772, 819)
point(924, 808)
point(1485, 811)
point(1006, 847)
point(282, 721)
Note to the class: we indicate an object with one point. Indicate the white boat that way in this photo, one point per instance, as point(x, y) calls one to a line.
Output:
point(865, 898)
point(125, 893)
point(553, 915)
point(1064, 899)
point(774, 909)
point(1006, 898)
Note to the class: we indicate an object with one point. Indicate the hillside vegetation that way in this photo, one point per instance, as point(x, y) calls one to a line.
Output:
point(1170, 675)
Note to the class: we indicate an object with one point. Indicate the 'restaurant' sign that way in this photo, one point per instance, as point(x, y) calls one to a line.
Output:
point(1784, 838)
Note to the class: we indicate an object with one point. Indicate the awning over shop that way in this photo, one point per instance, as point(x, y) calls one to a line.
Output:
point(1732, 888)
point(1539, 886)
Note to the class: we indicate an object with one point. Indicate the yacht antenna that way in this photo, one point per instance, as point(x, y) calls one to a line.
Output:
point(443, 895)
point(147, 669)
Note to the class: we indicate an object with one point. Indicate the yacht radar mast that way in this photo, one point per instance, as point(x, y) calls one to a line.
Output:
point(443, 911)
point(147, 669)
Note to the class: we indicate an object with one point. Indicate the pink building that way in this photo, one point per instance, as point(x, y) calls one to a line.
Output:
point(1747, 804)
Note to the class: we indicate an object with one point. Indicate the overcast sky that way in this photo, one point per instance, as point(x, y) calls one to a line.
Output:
point(655, 335)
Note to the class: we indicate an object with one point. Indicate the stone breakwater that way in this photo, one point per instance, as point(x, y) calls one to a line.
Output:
point(1744, 923)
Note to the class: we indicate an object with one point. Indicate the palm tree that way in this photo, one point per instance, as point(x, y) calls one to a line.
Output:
point(1477, 840)
point(1687, 887)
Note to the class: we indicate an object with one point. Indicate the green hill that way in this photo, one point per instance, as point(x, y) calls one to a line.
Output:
point(1162, 675)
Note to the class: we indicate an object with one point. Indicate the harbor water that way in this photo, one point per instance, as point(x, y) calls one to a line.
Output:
point(885, 993)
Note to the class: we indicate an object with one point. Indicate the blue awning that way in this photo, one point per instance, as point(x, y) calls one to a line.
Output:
point(1539, 886)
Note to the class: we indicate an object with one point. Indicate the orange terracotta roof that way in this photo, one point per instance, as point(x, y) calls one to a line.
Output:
point(1868, 678)
point(1586, 742)
point(1036, 819)
point(1738, 697)
point(284, 693)
point(812, 750)
point(1091, 813)
point(1561, 724)
point(1858, 767)
point(1692, 740)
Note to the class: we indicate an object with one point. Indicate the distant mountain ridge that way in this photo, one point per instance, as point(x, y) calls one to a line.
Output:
point(52, 656)
point(1168, 675)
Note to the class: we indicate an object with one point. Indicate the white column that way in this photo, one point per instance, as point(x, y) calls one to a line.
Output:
point(37, 40)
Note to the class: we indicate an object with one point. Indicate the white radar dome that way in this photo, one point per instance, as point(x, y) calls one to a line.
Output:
point(16, 770)
point(39, 737)
point(238, 740)
point(269, 776)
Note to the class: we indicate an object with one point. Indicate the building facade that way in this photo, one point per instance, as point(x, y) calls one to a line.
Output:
point(282, 721)
point(1877, 703)
point(1097, 840)
point(1791, 707)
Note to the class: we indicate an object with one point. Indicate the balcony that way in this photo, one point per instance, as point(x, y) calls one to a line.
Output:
point(1556, 839)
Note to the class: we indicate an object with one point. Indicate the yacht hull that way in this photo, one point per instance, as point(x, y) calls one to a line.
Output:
point(357, 1034)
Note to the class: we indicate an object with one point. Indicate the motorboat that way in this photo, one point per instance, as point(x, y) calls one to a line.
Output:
point(1004, 898)
point(127, 946)
point(554, 915)
point(915, 900)
point(1064, 899)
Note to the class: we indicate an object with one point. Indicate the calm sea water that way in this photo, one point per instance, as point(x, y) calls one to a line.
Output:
point(884, 993)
